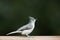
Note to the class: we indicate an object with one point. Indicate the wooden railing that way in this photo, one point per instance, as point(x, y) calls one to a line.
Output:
point(31, 38)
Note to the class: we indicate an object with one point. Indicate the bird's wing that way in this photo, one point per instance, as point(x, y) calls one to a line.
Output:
point(25, 27)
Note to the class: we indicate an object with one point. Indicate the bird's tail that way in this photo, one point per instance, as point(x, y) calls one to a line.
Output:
point(13, 32)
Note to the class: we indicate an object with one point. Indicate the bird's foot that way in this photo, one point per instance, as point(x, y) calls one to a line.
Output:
point(28, 36)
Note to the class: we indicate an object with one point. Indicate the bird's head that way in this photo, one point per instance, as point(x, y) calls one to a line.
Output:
point(32, 19)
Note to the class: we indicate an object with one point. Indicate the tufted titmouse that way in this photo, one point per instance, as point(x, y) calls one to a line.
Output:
point(26, 29)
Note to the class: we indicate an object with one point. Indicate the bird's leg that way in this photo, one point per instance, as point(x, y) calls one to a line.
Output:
point(28, 35)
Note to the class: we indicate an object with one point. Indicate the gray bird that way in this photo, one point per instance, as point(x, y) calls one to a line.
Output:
point(26, 29)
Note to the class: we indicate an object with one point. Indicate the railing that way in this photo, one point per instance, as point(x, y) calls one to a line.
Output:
point(31, 38)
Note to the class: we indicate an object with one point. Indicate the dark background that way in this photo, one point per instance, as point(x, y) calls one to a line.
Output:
point(15, 13)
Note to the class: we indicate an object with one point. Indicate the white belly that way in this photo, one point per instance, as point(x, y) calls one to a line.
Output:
point(26, 32)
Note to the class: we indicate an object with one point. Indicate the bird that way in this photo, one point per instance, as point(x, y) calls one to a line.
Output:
point(26, 29)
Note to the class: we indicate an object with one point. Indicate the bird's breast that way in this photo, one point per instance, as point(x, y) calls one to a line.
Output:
point(26, 32)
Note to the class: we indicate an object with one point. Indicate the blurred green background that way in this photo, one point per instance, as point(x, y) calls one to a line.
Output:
point(15, 13)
